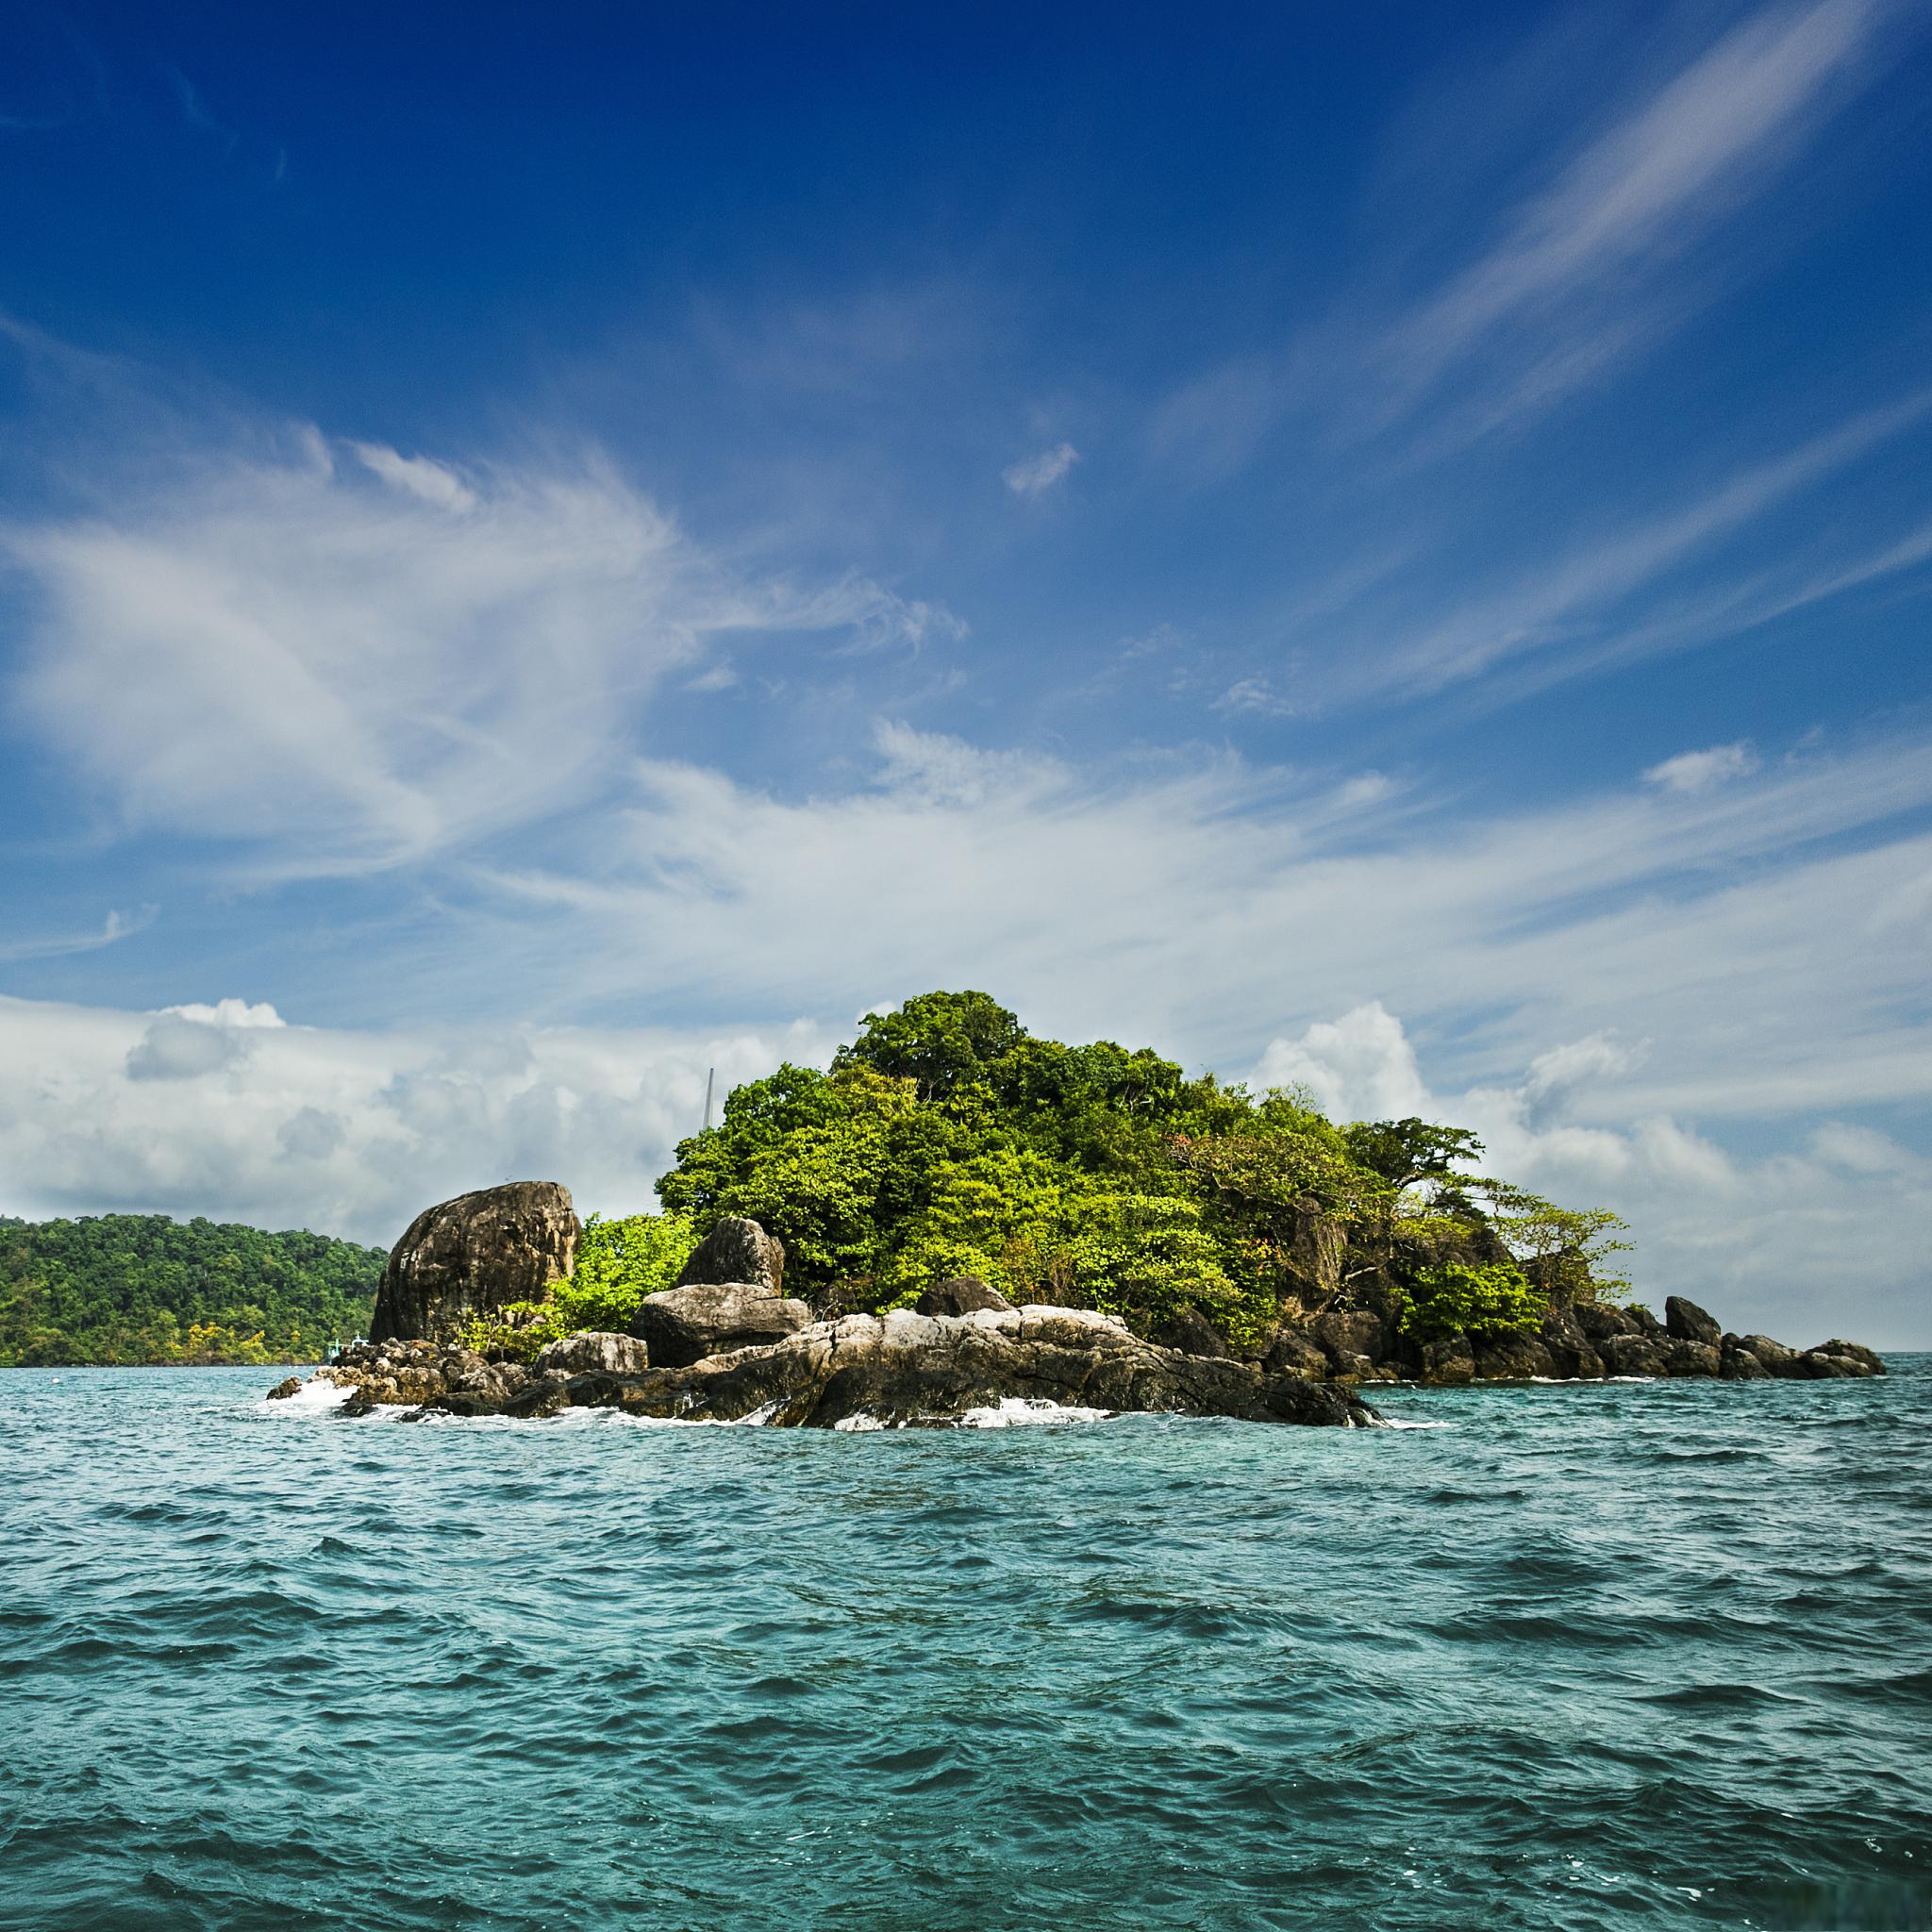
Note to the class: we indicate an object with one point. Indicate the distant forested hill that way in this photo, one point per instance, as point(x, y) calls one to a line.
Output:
point(141, 1287)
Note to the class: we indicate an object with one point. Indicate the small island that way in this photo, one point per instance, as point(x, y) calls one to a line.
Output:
point(958, 1216)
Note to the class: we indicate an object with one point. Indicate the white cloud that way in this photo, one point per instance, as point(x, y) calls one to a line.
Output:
point(347, 1132)
point(1578, 597)
point(1571, 282)
point(1698, 770)
point(114, 927)
point(419, 476)
point(270, 651)
point(1820, 1239)
point(1036, 475)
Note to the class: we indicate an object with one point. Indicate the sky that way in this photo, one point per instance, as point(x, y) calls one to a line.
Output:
point(1386, 549)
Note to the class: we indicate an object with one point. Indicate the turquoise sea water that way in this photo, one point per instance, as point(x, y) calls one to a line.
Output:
point(1621, 1656)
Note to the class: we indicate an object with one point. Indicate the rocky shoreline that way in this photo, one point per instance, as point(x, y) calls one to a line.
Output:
point(727, 1344)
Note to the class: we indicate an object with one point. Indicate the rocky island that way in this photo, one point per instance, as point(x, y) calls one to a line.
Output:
point(958, 1216)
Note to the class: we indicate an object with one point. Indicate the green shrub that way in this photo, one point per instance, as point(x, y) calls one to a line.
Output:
point(1480, 1299)
point(617, 1264)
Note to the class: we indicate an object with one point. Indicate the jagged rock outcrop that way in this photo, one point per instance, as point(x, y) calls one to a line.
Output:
point(1684, 1321)
point(1189, 1332)
point(736, 1251)
point(899, 1370)
point(963, 1294)
point(904, 1370)
point(683, 1326)
point(467, 1257)
point(591, 1348)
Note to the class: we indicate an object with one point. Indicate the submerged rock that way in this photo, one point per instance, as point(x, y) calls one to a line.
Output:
point(682, 1325)
point(467, 1257)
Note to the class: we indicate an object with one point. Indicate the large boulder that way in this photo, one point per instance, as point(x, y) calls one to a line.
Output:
point(683, 1326)
point(1739, 1365)
point(1692, 1358)
point(1772, 1354)
point(1513, 1359)
point(1572, 1354)
point(736, 1250)
point(467, 1257)
point(1599, 1320)
point(1190, 1332)
point(1291, 1351)
point(591, 1348)
point(904, 1370)
point(1632, 1355)
point(1686, 1322)
point(1346, 1334)
point(963, 1294)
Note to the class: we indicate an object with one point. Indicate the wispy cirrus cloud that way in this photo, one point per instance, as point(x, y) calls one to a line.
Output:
point(1578, 602)
point(113, 928)
point(1574, 278)
point(1035, 475)
point(345, 667)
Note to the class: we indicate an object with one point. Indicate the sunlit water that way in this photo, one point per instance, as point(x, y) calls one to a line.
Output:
point(1630, 1656)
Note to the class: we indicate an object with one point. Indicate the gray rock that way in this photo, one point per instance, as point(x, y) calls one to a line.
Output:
point(963, 1294)
point(1293, 1352)
point(906, 1370)
point(1740, 1365)
point(1512, 1358)
point(1692, 1359)
point(1632, 1355)
point(1774, 1354)
point(1599, 1320)
point(1873, 1364)
point(282, 1391)
point(1571, 1351)
point(736, 1250)
point(1686, 1322)
point(1345, 1333)
point(1191, 1333)
point(1449, 1359)
point(1824, 1363)
point(591, 1348)
point(683, 1326)
point(468, 1257)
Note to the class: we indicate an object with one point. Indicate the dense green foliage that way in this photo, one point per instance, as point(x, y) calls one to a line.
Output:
point(946, 1141)
point(141, 1287)
point(1480, 1299)
point(617, 1264)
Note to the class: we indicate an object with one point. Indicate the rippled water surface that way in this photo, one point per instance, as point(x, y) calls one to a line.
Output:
point(1638, 1654)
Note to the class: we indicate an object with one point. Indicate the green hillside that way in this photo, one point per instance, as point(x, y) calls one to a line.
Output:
point(141, 1288)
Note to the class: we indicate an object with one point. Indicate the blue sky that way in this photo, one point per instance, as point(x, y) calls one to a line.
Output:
point(1385, 547)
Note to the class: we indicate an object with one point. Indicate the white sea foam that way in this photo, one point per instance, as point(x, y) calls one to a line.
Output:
point(1016, 1411)
point(1395, 1422)
point(312, 1398)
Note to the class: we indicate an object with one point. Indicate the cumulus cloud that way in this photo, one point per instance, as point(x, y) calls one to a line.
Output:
point(1698, 770)
point(1037, 475)
point(345, 1131)
point(1817, 1239)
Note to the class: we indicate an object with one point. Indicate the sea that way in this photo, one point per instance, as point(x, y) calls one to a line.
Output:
point(1630, 1654)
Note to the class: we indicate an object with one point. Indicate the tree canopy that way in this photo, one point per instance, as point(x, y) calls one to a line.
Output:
point(946, 1140)
point(141, 1288)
